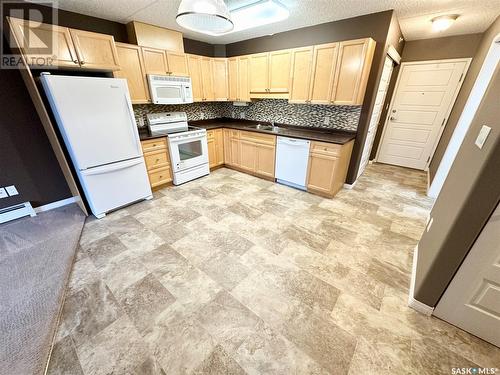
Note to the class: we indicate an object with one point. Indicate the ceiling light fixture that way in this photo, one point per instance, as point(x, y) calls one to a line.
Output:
point(259, 13)
point(441, 23)
point(205, 16)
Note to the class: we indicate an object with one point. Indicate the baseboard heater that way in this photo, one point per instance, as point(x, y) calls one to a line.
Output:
point(15, 212)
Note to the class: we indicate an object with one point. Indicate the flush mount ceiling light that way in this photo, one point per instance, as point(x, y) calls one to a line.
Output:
point(258, 13)
point(441, 23)
point(205, 16)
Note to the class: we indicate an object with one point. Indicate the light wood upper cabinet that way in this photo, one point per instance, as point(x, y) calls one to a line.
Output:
point(352, 71)
point(301, 74)
point(132, 69)
point(95, 51)
point(323, 73)
point(243, 79)
point(207, 79)
point(232, 74)
point(155, 61)
point(279, 71)
point(220, 79)
point(62, 54)
point(177, 64)
point(194, 66)
point(259, 72)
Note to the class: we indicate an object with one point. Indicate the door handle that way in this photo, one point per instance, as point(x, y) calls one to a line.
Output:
point(392, 118)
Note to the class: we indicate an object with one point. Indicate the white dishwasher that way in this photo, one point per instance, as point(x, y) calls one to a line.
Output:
point(292, 156)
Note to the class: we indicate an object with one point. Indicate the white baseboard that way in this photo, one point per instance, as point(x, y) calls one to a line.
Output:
point(350, 186)
point(412, 302)
point(51, 206)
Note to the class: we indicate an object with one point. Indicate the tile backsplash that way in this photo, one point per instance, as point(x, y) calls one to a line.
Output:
point(278, 110)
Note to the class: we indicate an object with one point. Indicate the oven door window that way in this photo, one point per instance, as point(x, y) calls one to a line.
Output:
point(190, 150)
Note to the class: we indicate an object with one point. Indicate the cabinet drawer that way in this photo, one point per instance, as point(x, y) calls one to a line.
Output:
point(160, 176)
point(326, 148)
point(156, 159)
point(258, 137)
point(154, 144)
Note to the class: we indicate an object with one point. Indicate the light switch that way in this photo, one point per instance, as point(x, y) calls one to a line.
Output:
point(482, 136)
point(3, 193)
point(11, 190)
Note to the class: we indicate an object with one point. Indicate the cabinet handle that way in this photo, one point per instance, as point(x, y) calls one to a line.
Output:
point(82, 62)
point(75, 61)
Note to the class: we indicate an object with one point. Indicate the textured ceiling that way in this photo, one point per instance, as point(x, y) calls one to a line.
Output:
point(414, 15)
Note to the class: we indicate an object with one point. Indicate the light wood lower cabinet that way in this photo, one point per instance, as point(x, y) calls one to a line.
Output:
point(215, 141)
point(327, 170)
point(157, 161)
point(231, 147)
point(257, 153)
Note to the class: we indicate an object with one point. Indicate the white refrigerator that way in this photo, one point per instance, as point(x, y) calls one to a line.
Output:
point(95, 118)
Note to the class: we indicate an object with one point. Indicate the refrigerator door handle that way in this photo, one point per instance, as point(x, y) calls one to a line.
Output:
point(134, 125)
point(112, 167)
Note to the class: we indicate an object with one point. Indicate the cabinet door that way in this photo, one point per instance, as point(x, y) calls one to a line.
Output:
point(155, 61)
point(235, 151)
point(232, 73)
point(219, 146)
point(259, 72)
point(95, 51)
point(62, 54)
point(194, 65)
point(266, 156)
point(248, 155)
point(353, 67)
point(243, 79)
point(206, 78)
point(177, 64)
point(227, 146)
point(212, 153)
point(320, 177)
point(300, 75)
point(279, 71)
point(323, 73)
point(219, 70)
point(132, 69)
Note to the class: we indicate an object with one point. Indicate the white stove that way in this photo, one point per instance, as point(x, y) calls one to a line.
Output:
point(187, 145)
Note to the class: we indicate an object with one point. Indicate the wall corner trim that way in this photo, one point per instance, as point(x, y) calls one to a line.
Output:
point(51, 206)
point(412, 302)
point(350, 186)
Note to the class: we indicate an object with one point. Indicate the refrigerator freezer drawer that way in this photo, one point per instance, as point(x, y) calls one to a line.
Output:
point(114, 185)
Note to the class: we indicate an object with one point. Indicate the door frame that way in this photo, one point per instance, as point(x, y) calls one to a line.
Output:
point(467, 61)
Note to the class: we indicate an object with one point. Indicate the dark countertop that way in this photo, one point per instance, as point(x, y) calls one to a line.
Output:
point(316, 134)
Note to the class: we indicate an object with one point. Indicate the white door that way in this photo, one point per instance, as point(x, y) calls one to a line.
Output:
point(95, 117)
point(424, 95)
point(472, 300)
point(377, 111)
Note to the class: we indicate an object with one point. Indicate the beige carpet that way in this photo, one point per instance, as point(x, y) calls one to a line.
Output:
point(36, 256)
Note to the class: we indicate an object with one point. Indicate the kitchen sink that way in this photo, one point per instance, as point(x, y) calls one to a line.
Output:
point(269, 128)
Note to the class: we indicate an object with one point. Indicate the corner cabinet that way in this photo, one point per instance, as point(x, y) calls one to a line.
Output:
point(132, 69)
point(328, 165)
point(353, 68)
point(216, 147)
point(220, 79)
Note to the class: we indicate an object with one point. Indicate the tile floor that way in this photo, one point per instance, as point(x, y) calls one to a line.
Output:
point(231, 274)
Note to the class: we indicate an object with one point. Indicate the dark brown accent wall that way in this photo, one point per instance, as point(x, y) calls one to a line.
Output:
point(468, 197)
point(27, 159)
point(198, 48)
point(482, 46)
point(374, 25)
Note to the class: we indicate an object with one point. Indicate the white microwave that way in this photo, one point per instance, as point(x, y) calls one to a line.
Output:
point(170, 89)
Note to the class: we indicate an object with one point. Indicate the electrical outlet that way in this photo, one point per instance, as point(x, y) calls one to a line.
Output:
point(482, 136)
point(140, 122)
point(3, 193)
point(11, 190)
point(326, 121)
